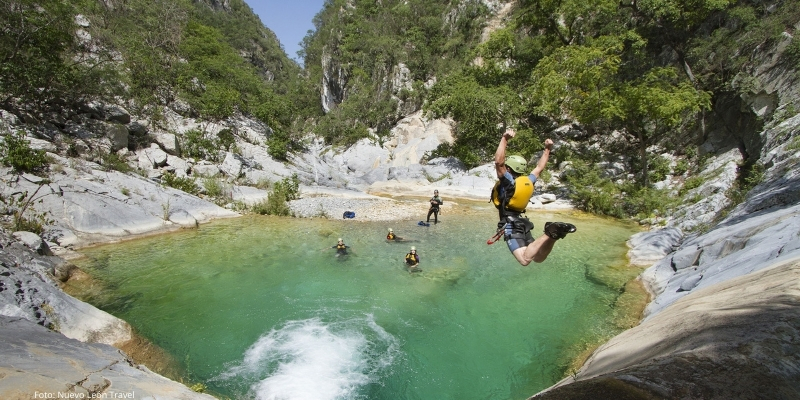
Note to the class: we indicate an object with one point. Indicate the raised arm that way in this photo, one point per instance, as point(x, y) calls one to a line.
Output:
point(500, 154)
point(548, 145)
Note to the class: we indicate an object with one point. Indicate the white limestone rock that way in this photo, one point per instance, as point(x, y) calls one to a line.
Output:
point(33, 242)
point(38, 362)
point(249, 195)
point(231, 166)
point(167, 141)
point(205, 170)
point(650, 247)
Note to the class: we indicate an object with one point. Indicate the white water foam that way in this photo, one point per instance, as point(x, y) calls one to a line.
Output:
point(312, 360)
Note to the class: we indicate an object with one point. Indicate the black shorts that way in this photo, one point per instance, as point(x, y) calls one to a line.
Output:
point(517, 232)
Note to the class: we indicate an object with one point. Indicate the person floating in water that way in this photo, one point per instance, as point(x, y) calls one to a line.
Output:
point(512, 194)
point(341, 248)
point(412, 259)
point(391, 237)
point(436, 201)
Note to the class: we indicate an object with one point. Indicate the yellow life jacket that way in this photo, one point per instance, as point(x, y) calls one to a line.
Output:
point(523, 190)
point(390, 236)
point(340, 246)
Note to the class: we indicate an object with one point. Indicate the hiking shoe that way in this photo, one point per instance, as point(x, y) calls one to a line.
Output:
point(558, 230)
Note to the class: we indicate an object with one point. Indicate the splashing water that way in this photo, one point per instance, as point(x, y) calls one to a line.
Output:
point(311, 360)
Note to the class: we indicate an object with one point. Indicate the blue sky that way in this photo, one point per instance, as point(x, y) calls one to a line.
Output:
point(289, 19)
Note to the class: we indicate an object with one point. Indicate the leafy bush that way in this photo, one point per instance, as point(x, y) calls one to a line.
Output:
point(749, 175)
point(19, 205)
point(659, 168)
point(647, 202)
point(277, 202)
point(116, 162)
point(225, 139)
point(214, 187)
point(198, 145)
point(278, 146)
point(185, 184)
point(15, 152)
point(794, 144)
point(290, 187)
point(681, 167)
point(691, 183)
point(590, 192)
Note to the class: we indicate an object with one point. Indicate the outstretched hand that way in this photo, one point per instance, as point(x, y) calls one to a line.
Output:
point(548, 144)
point(509, 133)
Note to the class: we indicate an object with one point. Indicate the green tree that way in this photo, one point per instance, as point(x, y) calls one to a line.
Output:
point(480, 112)
point(147, 36)
point(654, 105)
point(364, 41)
point(15, 152)
point(40, 58)
point(587, 84)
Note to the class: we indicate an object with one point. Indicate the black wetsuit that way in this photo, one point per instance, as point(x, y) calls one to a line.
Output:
point(436, 201)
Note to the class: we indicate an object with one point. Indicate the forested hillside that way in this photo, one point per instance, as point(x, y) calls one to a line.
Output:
point(626, 82)
point(638, 79)
point(198, 57)
point(630, 81)
point(374, 62)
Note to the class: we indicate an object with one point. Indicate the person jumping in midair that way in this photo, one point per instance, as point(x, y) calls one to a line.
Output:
point(512, 194)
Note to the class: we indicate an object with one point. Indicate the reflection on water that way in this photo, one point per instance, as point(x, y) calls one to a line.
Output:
point(260, 307)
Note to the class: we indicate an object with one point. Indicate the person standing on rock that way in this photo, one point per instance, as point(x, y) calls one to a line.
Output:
point(512, 194)
point(435, 201)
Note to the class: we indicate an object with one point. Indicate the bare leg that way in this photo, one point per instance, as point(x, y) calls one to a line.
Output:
point(536, 251)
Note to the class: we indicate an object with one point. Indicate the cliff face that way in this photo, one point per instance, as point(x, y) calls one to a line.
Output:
point(55, 346)
point(736, 339)
point(724, 321)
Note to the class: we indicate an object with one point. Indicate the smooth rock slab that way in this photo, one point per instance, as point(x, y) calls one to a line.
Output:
point(39, 363)
point(739, 339)
point(650, 247)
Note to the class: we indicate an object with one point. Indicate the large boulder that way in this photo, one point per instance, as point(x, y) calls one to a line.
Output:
point(33, 242)
point(118, 135)
point(98, 205)
point(114, 113)
point(40, 363)
point(232, 165)
point(167, 141)
point(152, 157)
point(649, 247)
point(37, 298)
point(249, 195)
point(738, 339)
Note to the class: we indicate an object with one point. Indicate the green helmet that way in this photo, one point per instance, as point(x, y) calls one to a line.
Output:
point(516, 163)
